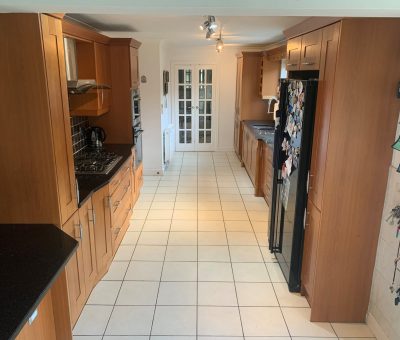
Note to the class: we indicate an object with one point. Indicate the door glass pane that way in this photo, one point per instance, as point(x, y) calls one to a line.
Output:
point(181, 93)
point(188, 122)
point(188, 76)
point(209, 91)
point(188, 136)
point(180, 76)
point(201, 122)
point(201, 76)
point(202, 94)
point(182, 137)
point(208, 122)
point(181, 107)
point(209, 76)
point(188, 107)
point(208, 136)
point(201, 136)
point(208, 107)
point(201, 107)
point(181, 122)
point(188, 92)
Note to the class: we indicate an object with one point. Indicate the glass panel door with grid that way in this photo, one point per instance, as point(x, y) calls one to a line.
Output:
point(195, 95)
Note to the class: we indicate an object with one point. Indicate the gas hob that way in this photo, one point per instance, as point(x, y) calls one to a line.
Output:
point(96, 162)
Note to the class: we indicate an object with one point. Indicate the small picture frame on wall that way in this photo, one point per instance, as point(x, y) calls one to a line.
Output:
point(165, 82)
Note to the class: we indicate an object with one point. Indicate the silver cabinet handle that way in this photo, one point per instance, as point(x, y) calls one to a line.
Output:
point(80, 231)
point(291, 64)
point(93, 216)
point(308, 63)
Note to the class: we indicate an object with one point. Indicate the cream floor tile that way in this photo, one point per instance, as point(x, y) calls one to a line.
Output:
point(235, 215)
point(208, 198)
point(241, 239)
point(187, 190)
point(145, 197)
point(250, 272)
point(116, 271)
point(219, 321)
point(288, 299)
point(298, 322)
point(135, 225)
point(352, 330)
point(179, 271)
point(166, 183)
point(233, 205)
point(230, 197)
point(142, 205)
point(105, 293)
point(140, 214)
point(144, 271)
point(260, 216)
point(262, 239)
point(245, 254)
point(124, 253)
point(93, 320)
point(149, 190)
point(121, 320)
point(186, 205)
point(260, 227)
point(137, 293)
point(250, 198)
point(149, 253)
point(238, 226)
point(213, 253)
point(184, 225)
point(268, 257)
point(229, 191)
point(181, 253)
point(184, 214)
point(215, 271)
point(163, 205)
point(209, 205)
point(177, 293)
point(210, 215)
point(153, 238)
point(256, 294)
point(186, 197)
point(160, 214)
point(167, 190)
point(275, 272)
point(217, 294)
point(257, 206)
point(130, 238)
point(247, 190)
point(210, 238)
point(211, 226)
point(208, 190)
point(164, 197)
point(157, 225)
point(174, 320)
point(263, 321)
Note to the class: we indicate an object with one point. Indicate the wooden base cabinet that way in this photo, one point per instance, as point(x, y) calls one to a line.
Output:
point(266, 173)
point(356, 118)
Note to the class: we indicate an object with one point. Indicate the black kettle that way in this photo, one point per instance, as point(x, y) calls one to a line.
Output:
point(95, 136)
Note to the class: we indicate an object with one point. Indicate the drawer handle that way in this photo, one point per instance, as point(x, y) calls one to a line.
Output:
point(116, 231)
point(308, 63)
point(80, 230)
point(293, 64)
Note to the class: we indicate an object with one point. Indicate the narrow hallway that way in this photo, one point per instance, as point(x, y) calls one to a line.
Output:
point(195, 264)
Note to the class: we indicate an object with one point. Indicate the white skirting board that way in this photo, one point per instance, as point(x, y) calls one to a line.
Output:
point(376, 328)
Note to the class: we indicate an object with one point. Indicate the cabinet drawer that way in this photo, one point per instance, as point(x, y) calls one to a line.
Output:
point(123, 189)
point(119, 176)
point(121, 222)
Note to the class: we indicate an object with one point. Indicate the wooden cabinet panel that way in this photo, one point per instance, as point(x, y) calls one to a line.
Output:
point(270, 78)
point(43, 326)
point(311, 50)
point(102, 230)
point(134, 63)
point(293, 54)
point(103, 75)
point(312, 230)
point(330, 41)
point(75, 271)
point(87, 219)
point(59, 114)
point(236, 136)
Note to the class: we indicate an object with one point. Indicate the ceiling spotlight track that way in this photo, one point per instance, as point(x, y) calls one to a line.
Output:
point(210, 26)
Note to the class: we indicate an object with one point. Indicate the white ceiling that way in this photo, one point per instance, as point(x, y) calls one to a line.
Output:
point(249, 22)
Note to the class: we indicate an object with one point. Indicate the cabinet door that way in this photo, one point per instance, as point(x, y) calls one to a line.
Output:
point(87, 219)
point(102, 230)
point(236, 135)
point(59, 113)
point(330, 41)
point(311, 50)
point(312, 230)
point(293, 54)
point(134, 55)
point(238, 101)
point(74, 270)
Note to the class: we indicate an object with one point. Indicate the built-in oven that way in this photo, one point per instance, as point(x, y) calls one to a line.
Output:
point(137, 126)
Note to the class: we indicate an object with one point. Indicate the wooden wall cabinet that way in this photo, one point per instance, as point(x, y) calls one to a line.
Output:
point(347, 180)
point(303, 52)
point(271, 71)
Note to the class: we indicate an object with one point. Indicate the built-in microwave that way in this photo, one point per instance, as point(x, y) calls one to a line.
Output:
point(137, 125)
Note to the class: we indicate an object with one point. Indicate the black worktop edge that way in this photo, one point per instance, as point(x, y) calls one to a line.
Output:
point(250, 124)
point(39, 299)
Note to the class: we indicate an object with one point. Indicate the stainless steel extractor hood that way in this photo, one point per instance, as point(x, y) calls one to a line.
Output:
point(75, 85)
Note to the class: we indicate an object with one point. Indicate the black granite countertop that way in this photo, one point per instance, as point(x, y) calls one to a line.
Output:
point(31, 257)
point(266, 136)
point(88, 184)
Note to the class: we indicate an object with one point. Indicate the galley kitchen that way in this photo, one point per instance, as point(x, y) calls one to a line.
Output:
point(200, 171)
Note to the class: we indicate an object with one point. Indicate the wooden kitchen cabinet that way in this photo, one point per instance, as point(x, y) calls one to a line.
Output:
point(87, 221)
point(75, 270)
point(134, 63)
point(102, 230)
point(303, 52)
point(270, 78)
point(293, 54)
point(266, 174)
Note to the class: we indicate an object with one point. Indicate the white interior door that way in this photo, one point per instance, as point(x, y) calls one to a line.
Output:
point(195, 107)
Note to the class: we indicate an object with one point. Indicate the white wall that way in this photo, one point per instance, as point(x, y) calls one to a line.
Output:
point(384, 316)
point(149, 66)
point(226, 70)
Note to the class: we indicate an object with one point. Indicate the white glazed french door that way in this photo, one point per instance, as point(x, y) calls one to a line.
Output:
point(195, 107)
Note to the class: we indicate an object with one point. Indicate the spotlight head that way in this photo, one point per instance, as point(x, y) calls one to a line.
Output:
point(220, 45)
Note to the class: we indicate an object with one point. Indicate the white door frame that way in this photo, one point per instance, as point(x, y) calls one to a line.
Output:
point(195, 145)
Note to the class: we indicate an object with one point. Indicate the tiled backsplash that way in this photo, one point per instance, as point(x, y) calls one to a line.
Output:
point(79, 125)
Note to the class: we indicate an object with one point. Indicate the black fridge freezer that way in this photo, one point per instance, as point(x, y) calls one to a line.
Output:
point(291, 162)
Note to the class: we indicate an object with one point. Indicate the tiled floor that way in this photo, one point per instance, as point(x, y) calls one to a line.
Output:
point(195, 264)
